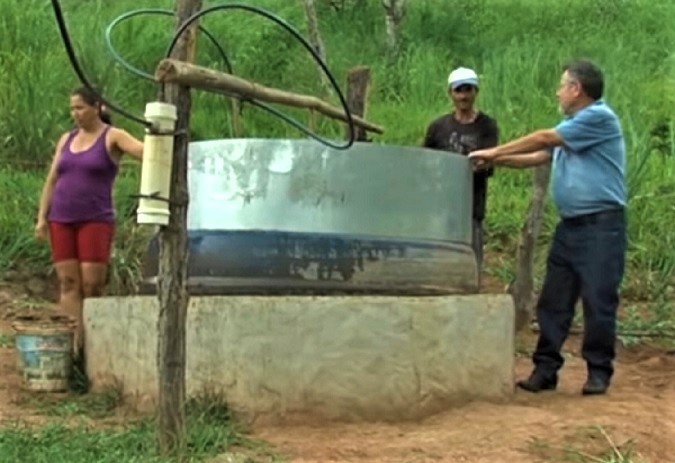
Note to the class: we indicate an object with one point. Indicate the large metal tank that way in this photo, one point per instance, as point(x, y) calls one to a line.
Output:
point(289, 216)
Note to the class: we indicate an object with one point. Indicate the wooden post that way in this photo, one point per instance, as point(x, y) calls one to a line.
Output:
point(311, 123)
point(316, 41)
point(358, 86)
point(173, 255)
point(194, 76)
point(395, 11)
point(237, 124)
point(522, 287)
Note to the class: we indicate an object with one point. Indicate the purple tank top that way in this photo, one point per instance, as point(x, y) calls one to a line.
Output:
point(84, 182)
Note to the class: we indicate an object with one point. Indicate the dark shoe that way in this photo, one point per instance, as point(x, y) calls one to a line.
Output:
point(539, 382)
point(595, 385)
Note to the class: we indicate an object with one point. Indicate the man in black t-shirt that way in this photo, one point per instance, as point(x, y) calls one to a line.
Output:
point(463, 130)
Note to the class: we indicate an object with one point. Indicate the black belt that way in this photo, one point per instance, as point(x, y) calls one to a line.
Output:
point(594, 218)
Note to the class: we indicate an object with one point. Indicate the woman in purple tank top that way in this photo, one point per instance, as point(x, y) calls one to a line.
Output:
point(76, 208)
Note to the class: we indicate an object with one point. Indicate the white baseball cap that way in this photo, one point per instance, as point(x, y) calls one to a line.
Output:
point(462, 76)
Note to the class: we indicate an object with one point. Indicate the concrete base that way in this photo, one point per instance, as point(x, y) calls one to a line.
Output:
point(334, 358)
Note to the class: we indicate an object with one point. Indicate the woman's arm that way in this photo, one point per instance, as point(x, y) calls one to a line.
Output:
point(126, 143)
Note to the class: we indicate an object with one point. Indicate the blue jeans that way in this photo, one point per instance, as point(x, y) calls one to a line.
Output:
point(586, 259)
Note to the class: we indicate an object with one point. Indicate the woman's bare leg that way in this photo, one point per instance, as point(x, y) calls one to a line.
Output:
point(71, 295)
point(94, 276)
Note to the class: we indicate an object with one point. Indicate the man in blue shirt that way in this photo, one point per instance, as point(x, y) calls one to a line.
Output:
point(587, 254)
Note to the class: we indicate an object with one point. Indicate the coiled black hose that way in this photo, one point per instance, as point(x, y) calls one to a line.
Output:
point(228, 6)
point(156, 11)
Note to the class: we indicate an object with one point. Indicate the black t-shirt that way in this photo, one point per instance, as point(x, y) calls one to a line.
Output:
point(447, 133)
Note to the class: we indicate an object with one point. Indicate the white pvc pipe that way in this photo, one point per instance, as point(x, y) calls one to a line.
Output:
point(156, 168)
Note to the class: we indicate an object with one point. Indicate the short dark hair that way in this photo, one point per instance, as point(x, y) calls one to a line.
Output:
point(589, 76)
point(93, 98)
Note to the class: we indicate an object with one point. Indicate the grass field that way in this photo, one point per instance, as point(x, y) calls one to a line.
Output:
point(517, 46)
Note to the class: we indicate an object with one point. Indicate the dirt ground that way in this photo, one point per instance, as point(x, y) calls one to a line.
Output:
point(562, 426)
point(638, 413)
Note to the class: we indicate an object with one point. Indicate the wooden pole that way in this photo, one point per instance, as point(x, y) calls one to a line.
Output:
point(316, 41)
point(522, 287)
point(358, 86)
point(237, 124)
point(188, 74)
point(173, 254)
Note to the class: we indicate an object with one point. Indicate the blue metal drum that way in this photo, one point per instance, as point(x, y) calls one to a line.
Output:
point(287, 216)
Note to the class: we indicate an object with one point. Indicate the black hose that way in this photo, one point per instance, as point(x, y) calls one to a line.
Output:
point(251, 9)
point(142, 74)
point(80, 73)
point(276, 19)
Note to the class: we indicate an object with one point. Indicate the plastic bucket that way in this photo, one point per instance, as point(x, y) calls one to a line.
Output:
point(44, 346)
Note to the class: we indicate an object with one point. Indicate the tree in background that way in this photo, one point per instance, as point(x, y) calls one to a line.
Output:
point(316, 40)
point(394, 14)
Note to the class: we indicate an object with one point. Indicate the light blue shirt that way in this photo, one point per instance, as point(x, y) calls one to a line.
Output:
point(589, 169)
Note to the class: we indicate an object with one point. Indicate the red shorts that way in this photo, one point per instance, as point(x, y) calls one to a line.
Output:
point(85, 242)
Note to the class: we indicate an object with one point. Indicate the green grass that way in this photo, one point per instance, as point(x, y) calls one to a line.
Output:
point(588, 444)
point(6, 341)
point(211, 431)
point(97, 405)
point(517, 46)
